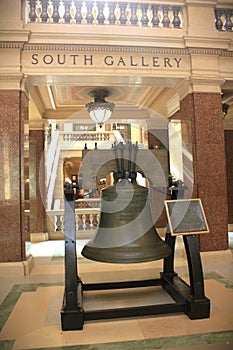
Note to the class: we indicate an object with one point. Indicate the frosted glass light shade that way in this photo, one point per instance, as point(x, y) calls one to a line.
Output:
point(100, 112)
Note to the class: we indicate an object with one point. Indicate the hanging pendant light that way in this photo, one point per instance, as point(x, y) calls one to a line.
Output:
point(100, 110)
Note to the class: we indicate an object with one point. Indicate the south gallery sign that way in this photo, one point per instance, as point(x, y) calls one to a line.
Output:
point(109, 60)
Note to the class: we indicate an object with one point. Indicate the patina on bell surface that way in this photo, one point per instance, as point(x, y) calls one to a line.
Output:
point(126, 232)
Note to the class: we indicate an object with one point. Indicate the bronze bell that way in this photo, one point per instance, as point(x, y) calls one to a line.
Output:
point(126, 233)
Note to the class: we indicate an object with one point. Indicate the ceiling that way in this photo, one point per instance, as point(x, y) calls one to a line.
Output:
point(138, 99)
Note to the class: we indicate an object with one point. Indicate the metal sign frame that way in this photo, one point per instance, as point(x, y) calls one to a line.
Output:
point(186, 216)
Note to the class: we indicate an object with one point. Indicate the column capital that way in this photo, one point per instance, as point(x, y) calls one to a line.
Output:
point(10, 81)
point(37, 124)
point(199, 85)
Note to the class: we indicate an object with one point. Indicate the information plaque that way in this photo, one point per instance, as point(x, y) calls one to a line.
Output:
point(186, 216)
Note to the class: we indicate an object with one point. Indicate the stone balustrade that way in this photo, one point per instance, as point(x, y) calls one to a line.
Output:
point(85, 136)
point(124, 13)
point(85, 219)
point(130, 13)
point(224, 19)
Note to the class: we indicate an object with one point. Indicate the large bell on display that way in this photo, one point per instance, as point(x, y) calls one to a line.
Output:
point(126, 233)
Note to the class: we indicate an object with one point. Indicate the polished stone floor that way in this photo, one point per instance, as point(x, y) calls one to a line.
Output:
point(30, 305)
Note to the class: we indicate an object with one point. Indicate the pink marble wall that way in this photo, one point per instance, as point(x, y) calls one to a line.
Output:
point(13, 111)
point(229, 163)
point(37, 182)
point(203, 135)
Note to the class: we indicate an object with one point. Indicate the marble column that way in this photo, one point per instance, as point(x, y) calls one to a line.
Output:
point(229, 163)
point(14, 113)
point(203, 136)
point(37, 185)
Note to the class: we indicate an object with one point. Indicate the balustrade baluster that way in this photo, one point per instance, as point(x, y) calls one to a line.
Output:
point(67, 15)
point(84, 221)
point(95, 221)
point(112, 16)
point(218, 22)
point(100, 16)
point(155, 18)
point(44, 13)
point(32, 14)
point(55, 14)
point(144, 18)
point(91, 217)
point(176, 19)
point(123, 17)
point(166, 20)
point(89, 17)
point(58, 224)
point(78, 15)
point(77, 222)
point(80, 223)
point(228, 23)
point(134, 17)
point(87, 222)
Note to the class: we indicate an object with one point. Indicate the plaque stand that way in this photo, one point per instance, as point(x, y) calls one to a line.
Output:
point(189, 299)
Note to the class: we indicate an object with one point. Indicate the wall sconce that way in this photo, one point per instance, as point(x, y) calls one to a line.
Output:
point(225, 108)
point(100, 110)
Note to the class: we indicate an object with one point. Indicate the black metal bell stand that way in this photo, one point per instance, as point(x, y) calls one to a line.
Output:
point(189, 299)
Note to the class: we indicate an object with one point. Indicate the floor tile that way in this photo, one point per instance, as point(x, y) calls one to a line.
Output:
point(30, 306)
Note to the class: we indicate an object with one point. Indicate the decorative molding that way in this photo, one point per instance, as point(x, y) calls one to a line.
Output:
point(204, 51)
point(10, 81)
point(228, 124)
point(37, 124)
point(103, 49)
point(201, 2)
point(197, 43)
point(12, 36)
point(11, 77)
point(124, 49)
point(39, 237)
point(11, 45)
point(226, 53)
point(199, 85)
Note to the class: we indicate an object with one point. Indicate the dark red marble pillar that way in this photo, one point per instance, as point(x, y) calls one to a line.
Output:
point(203, 135)
point(229, 163)
point(14, 113)
point(37, 182)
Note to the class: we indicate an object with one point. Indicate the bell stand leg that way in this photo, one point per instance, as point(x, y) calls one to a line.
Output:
point(197, 305)
point(72, 310)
